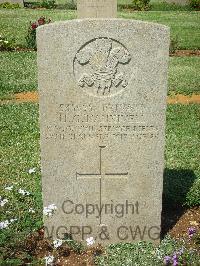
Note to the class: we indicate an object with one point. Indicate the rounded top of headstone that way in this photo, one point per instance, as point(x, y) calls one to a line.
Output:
point(109, 22)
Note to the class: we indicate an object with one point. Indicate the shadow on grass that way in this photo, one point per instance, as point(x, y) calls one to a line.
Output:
point(176, 185)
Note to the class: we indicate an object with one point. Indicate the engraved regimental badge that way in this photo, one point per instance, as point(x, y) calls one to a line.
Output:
point(101, 67)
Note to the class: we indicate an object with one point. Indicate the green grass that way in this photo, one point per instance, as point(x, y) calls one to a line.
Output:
point(146, 254)
point(184, 25)
point(182, 155)
point(17, 21)
point(19, 150)
point(184, 75)
point(19, 74)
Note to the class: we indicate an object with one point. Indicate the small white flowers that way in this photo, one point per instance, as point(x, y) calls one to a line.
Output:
point(49, 260)
point(57, 243)
point(3, 202)
point(23, 192)
point(49, 210)
point(32, 170)
point(6, 223)
point(12, 220)
point(31, 210)
point(9, 188)
point(90, 241)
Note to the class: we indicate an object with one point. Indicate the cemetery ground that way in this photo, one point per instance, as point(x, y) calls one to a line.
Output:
point(22, 239)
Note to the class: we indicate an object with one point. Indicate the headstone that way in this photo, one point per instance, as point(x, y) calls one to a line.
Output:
point(97, 8)
point(20, 2)
point(103, 87)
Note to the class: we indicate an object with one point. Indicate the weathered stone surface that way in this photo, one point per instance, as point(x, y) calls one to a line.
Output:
point(97, 8)
point(103, 86)
point(20, 2)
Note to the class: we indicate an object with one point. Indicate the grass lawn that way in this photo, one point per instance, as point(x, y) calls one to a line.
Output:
point(184, 75)
point(184, 25)
point(19, 73)
point(19, 149)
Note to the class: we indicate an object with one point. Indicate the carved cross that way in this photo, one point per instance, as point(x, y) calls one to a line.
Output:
point(99, 174)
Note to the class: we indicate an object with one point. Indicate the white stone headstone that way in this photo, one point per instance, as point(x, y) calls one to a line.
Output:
point(97, 8)
point(103, 87)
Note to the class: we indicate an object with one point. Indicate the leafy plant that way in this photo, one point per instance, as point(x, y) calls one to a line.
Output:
point(31, 36)
point(49, 4)
point(6, 45)
point(173, 45)
point(141, 4)
point(8, 5)
point(71, 5)
point(193, 196)
point(195, 4)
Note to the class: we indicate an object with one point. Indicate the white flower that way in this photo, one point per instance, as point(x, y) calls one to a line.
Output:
point(23, 192)
point(13, 220)
point(49, 210)
point(52, 207)
point(32, 170)
point(9, 188)
point(49, 259)
point(31, 210)
point(57, 243)
point(3, 202)
point(6, 41)
point(90, 241)
point(4, 224)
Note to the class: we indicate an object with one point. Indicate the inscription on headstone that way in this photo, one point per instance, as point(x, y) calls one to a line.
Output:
point(103, 87)
point(97, 8)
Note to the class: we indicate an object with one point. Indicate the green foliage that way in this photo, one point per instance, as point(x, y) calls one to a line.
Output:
point(18, 72)
point(48, 4)
point(184, 75)
point(8, 5)
point(197, 239)
point(164, 6)
point(182, 174)
point(6, 45)
point(31, 36)
point(177, 184)
point(173, 44)
point(193, 196)
point(185, 25)
point(141, 4)
point(195, 4)
point(71, 5)
point(74, 245)
point(147, 254)
point(19, 150)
